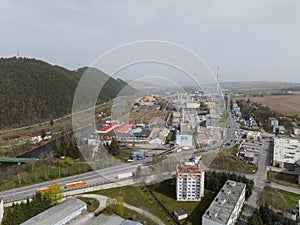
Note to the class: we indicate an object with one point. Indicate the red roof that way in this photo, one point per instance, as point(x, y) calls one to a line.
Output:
point(123, 129)
point(108, 128)
point(195, 168)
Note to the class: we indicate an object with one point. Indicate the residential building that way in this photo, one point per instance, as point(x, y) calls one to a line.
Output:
point(226, 206)
point(190, 180)
point(273, 122)
point(60, 214)
point(286, 152)
point(1, 209)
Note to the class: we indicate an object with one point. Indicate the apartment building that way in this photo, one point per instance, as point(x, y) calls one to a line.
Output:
point(226, 206)
point(190, 180)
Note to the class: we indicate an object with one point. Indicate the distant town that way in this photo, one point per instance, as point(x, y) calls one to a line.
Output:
point(222, 152)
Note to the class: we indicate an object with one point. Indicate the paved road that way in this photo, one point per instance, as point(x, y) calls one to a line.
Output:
point(259, 178)
point(99, 176)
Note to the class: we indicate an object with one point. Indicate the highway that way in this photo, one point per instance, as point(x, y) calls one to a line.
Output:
point(94, 177)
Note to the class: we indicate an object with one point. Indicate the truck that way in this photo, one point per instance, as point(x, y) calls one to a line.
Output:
point(75, 184)
point(125, 175)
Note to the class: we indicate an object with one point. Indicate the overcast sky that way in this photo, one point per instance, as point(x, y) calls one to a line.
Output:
point(249, 40)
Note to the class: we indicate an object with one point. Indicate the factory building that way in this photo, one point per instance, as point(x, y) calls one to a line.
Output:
point(190, 180)
point(226, 206)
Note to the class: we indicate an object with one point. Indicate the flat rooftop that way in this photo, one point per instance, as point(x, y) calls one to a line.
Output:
point(286, 150)
point(222, 206)
point(56, 213)
point(191, 166)
point(106, 220)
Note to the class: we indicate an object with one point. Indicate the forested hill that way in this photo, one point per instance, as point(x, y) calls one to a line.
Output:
point(32, 91)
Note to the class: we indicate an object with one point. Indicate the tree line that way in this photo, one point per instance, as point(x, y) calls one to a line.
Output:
point(32, 91)
point(215, 181)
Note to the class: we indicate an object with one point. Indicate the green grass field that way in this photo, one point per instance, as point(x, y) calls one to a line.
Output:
point(284, 178)
point(279, 198)
point(227, 160)
point(139, 197)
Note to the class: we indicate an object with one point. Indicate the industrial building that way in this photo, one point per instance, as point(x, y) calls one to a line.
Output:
point(286, 152)
point(226, 206)
point(185, 136)
point(60, 214)
point(185, 139)
point(190, 180)
point(212, 121)
point(111, 220)
point(1, 209)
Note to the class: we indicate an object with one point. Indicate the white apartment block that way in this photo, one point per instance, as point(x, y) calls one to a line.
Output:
point(226, 206)
point(190, 180)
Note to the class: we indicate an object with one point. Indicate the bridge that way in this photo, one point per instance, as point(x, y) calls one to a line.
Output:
point(17, 160)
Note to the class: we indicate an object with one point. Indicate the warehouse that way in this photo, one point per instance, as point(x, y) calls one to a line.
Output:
point(60, 214)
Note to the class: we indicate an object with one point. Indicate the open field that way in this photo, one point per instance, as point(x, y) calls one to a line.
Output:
point(284, 104)
point(279, 198)
point(139, 197)
point(284, 179)
point(227, 160)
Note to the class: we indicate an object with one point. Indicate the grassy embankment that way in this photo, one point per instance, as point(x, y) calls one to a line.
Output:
point(228, 161)
point(284, 179)
point(139, 197)
point(44, 173)
point(279, 198)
